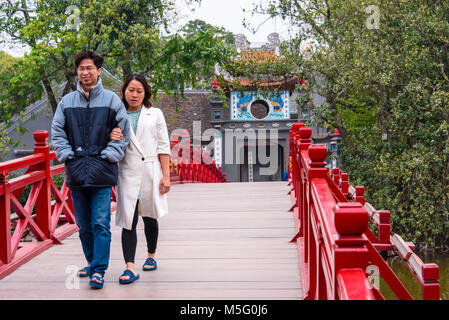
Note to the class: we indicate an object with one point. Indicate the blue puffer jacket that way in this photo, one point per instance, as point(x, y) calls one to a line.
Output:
point(80, 135)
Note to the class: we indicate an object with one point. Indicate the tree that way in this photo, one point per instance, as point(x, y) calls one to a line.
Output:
point(127, 33)
point(190, 31)
point(384, 67)
point(194, 26)
point(7, 63)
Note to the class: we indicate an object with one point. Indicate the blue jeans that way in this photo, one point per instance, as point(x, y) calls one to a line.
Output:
point(92, 208)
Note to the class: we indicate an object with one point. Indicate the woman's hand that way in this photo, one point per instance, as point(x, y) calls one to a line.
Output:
point(164, 185)
point(116, 134)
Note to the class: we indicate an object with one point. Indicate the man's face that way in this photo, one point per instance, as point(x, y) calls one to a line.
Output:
point(88, 72)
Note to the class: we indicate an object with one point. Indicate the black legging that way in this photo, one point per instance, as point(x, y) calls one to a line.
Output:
point(129, 237)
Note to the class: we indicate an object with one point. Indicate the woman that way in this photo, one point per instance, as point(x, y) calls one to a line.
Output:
point(144, 177)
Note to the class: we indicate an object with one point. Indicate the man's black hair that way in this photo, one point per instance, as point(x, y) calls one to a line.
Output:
point(87, 54)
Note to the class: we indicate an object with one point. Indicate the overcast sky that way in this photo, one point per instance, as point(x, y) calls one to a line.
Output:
point(229, 14)
point(222, 13)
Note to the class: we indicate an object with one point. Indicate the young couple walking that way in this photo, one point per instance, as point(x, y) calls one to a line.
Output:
point(105, 140)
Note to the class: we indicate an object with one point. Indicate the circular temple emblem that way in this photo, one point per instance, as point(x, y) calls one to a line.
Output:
point(259, 109)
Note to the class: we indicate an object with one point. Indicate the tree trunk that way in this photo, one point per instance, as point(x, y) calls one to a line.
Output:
point(70, 85)
point(50, 94)
point(126, 68)
point(126, 65)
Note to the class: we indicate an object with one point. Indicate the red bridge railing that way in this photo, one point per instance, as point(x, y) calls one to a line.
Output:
point(49, 221)
point(340, 257)
point(193, 165)
point(52, 220)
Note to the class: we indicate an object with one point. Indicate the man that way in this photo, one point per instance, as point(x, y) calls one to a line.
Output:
point(80, 134)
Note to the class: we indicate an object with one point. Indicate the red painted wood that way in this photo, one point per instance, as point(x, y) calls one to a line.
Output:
point(334, 242)
point(193, 165)
point(348, 288)
point(5, 220)
point(44, 223)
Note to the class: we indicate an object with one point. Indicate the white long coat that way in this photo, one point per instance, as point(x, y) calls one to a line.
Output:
point(140, 169)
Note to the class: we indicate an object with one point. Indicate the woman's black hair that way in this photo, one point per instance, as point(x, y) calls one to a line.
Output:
point(146, 86)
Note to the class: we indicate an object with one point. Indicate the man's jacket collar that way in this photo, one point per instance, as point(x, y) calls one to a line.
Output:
point(94, 91)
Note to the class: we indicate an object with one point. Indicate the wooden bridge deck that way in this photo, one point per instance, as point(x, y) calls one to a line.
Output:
point(219, 241)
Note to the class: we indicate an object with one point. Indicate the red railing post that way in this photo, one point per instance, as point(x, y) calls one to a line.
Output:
point(187, 150)
point(336, 248)
point(43, 204)
point(351, 221)
point(183, 171)
point(344, 184)
point(294, 133)
point(430, 286)
point(336, 176)
point(189, 171)
point(294, 174)
point(384, 227)
point(204, 160)
point(195, 172)
point(205, 166)
point(5, 219)
point(196, 163)
point(302, 181)
point(360, 194)
point(44, 223)
point(216, 173)
point(312, 237)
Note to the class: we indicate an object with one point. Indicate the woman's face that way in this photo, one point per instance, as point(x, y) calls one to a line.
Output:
point(134, 94)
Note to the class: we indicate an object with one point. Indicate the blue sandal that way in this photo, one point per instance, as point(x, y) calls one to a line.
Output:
point(94, 284)
point(85, 273)
point(149, 262)
point(130, 274)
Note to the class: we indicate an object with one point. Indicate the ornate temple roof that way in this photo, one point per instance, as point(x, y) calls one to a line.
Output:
point(281, 84)
point(267, 82)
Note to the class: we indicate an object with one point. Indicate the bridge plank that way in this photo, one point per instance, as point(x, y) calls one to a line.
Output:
point(219, 241)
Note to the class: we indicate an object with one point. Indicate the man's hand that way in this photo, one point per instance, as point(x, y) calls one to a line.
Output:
point(116, 134)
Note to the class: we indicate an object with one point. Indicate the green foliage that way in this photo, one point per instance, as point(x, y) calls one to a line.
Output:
point(7, 70)
point(196, 28)
point(127, 33)
point(387, 81)
point(270, 67)
point(7, 63)
point(184, 60)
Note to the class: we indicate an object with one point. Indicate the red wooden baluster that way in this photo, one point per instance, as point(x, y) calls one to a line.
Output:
point(312, 242)
point(344, 184)
point(43, 203)
point(294, 132)
point(303, 208)
point(360, 194)
point(384, 226)
point(431, 286)
point(351, 221)
point(336, 176)
point(5, 219)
